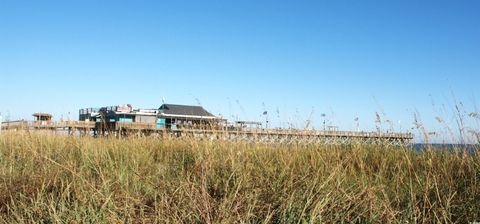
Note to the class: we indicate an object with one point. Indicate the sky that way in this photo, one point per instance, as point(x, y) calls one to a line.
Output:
point(295, 59)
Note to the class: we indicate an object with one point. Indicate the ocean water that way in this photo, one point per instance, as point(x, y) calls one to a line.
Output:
point(470, 148)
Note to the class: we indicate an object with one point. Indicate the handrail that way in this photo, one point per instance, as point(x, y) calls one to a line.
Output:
point(247, 131)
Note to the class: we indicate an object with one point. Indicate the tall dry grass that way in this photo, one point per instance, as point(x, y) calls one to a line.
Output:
point(58, 179)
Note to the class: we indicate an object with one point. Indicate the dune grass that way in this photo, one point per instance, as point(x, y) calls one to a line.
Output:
point(59, 179)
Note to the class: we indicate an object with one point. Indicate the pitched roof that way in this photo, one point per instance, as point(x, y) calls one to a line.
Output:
point(41, 115)
point(184, 110)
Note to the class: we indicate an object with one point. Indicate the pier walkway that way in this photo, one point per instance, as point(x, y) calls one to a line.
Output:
point(283, 136)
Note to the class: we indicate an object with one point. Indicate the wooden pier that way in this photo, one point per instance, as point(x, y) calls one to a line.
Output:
point(292, 136)
point(281, 136)
point(72, 127)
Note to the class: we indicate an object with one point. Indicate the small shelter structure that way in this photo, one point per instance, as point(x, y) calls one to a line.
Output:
point(42, 117)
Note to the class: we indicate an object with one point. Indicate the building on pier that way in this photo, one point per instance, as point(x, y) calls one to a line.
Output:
point(172, 116)
point(89, 114)
point(167, 116)
point(121, 113)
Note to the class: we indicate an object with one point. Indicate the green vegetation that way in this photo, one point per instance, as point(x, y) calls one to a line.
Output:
point(52, 179)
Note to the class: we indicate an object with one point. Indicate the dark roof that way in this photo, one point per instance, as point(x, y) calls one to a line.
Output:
point(184, 110)
point(41, 115)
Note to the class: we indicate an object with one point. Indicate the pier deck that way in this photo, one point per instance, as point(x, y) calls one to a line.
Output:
point(250, 135)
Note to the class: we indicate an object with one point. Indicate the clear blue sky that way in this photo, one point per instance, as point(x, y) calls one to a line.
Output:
point(342, 58)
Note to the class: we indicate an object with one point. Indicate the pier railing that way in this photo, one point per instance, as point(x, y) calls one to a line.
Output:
point(139, 126)
point(46, 124)
point(297, 132)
